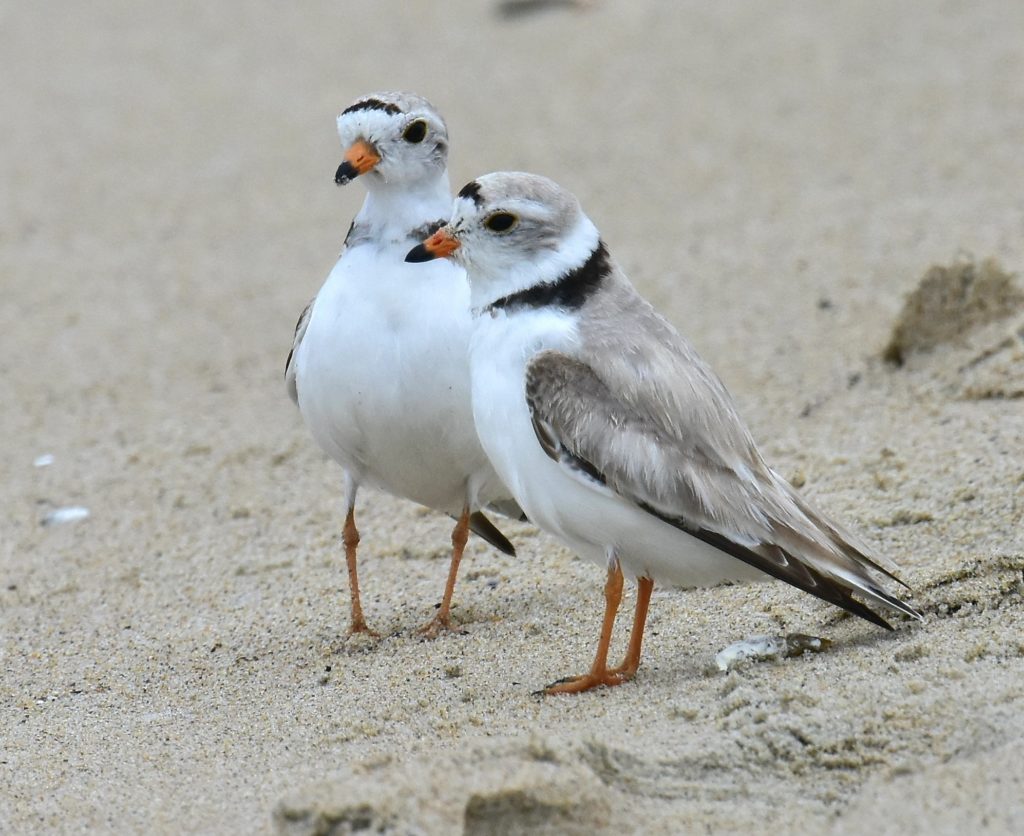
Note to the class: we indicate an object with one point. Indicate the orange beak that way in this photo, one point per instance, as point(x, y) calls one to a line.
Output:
point(439, 245)
point(359, 159)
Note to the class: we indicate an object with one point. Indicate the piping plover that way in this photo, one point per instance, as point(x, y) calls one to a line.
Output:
point(379, 365)
point(610, 430)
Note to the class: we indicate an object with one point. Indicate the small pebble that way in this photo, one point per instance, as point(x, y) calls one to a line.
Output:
point(59, 516)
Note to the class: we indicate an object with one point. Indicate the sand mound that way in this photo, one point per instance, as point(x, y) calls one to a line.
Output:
point(950, 302)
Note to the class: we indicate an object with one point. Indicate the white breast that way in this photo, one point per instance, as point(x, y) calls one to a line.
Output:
point(383, 376)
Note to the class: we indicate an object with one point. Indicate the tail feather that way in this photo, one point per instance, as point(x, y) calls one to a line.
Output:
point(865, 586)
point(778, 563)
point(829, 580)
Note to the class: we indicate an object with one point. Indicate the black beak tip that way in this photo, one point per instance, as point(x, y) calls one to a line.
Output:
point(419, 253)
point(346, 173)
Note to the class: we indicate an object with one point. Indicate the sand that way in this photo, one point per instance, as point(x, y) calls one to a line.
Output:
point(776, 176)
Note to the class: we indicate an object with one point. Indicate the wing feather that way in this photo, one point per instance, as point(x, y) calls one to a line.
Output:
point(289, 364)
point(688, 460)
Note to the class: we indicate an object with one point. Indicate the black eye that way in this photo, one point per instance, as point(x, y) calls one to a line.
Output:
point(416, 132)
point(501, 221)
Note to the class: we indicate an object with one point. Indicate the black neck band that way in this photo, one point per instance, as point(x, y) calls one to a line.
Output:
point(570, 290)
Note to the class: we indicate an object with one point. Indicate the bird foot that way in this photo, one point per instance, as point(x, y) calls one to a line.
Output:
point(437, 625)
point(359, 628)
point(579, 684)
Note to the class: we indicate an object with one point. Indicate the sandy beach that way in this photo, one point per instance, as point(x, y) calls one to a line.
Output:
point(776, 177)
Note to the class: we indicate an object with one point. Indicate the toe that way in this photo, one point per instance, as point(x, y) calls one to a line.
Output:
point(587, 682)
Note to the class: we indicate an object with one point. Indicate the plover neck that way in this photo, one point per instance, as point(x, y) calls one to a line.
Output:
point(395, 212)
point(563, 277)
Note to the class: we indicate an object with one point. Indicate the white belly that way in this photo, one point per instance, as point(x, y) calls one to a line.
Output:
point(590, 518)
point(383, 378)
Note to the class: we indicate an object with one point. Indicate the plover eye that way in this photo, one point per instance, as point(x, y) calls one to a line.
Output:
point(501, 222)
point(416, 132)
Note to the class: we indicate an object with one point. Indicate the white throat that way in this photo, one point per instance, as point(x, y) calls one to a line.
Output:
point(392, 210)
point(489, 285)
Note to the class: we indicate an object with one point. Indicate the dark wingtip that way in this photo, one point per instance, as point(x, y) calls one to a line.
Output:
point(419, 253)
point(483, 527)
point(346, 173)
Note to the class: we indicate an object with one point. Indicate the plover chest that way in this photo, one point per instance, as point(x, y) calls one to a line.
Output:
point(501, 346)
point(383, 375)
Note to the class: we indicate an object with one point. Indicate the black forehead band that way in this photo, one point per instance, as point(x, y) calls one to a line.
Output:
point(372, 104)
point(472, 191)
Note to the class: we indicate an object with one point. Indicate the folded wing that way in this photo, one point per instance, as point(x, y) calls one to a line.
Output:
point(289, 364)
point(665, 437)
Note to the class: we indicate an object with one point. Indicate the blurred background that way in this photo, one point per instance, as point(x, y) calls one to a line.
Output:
point(171, 163)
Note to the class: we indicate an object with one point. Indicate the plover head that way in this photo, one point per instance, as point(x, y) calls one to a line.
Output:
point(396, 138)
point(512, 231)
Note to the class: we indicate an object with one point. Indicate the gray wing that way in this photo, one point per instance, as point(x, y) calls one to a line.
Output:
point(688, 460)
point(289, 364)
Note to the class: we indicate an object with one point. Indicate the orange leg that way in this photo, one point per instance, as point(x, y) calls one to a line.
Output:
point(442, 620)
point(627, 670)
point(599, 673)
point(351, 538)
